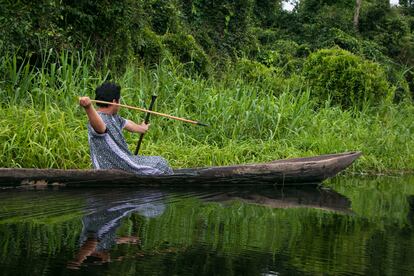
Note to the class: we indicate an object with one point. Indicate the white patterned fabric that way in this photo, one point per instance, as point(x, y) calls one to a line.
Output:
point(110, 150)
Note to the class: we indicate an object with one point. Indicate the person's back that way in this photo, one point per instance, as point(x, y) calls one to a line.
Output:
point(108, 147)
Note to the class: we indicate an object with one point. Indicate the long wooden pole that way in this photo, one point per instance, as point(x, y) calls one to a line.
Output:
point(152, 112)
point(141, 137)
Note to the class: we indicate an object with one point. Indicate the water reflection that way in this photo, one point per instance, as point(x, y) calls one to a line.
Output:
point(103, 218)
point(381, 200)
point(411, 210)
point(305, 197)
point(361, 227)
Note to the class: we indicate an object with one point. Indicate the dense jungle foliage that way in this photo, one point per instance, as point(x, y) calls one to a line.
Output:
point(210, 33)
point(331, 59)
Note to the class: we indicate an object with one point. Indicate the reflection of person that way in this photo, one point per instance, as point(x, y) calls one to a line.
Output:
point(106, 141)
point(99, 227)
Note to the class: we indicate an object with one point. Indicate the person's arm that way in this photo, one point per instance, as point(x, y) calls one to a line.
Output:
point(94, 119)
point(86, 250)
point(133, 127)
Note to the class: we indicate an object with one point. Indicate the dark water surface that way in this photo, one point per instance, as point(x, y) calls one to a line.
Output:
point(356, 226)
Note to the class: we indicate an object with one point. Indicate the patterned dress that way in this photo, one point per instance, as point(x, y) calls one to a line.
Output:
point(110, 150)
point(104, 216)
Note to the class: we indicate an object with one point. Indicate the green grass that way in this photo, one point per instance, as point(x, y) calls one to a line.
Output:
point(41, 124)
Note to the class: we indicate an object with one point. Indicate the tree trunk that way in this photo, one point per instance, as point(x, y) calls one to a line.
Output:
point(356, 15)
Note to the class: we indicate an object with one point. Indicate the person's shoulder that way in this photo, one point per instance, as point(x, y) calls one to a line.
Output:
point(104, 116)
point(121, 120)
point(92, 132)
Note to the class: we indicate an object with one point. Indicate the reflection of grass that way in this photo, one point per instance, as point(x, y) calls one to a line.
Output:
point(310, 240)
point(305, 234)
point(36, 223)
point(35, 208)
point(382, 200)
point(34, 246)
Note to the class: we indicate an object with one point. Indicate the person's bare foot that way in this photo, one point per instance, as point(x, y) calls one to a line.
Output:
point(127, 240)
point(73, 265)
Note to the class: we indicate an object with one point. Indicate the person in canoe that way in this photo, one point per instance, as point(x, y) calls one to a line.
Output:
point(108, 148)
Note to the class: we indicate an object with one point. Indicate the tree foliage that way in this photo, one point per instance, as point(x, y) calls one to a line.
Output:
point(201, 32)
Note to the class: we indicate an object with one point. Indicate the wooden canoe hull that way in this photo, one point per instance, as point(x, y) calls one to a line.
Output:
point(297, 171)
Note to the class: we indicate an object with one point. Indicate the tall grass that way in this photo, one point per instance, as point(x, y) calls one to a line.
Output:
point(41, 124)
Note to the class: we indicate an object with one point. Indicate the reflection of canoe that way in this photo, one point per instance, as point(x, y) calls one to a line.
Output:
point(287, 197)
point(297, 171)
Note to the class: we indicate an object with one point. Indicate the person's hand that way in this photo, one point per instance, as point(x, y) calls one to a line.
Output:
point(144, 127)
point(85, 102)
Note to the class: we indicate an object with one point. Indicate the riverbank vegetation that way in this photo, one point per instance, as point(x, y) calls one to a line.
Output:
point(270, 83)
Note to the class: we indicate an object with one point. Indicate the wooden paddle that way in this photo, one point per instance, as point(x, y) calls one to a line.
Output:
point(153, 98)
point(153, 112)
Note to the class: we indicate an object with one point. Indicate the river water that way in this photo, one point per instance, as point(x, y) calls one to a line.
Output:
point(348, 226)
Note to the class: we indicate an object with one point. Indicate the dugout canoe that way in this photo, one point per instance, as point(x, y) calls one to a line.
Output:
point(286, 172)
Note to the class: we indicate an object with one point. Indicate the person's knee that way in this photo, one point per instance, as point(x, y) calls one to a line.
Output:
point(163, 163)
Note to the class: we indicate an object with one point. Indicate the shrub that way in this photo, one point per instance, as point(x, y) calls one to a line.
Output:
point(148, 45)
point(270, 58)
point(253, 71)
point(365, 48)
point(164, 15)
point(344, 78)
point(266, 36)
point(286, 55)
point(187, 51)
point(255, 74)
